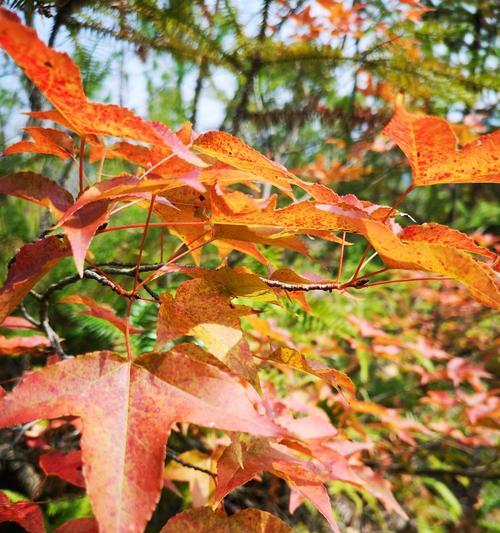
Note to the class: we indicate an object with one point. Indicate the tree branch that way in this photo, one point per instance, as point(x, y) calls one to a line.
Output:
point(171, 454)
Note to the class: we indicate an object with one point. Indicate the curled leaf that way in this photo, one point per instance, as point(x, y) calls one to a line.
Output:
point(430, 144)
point(295, 359)
point(45, 141)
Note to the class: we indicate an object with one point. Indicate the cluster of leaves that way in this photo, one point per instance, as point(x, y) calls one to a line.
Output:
point(212, 361)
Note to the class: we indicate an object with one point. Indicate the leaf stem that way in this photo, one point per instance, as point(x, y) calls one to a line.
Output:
point(143, 241)
point(127, 331)
point(157, 273)
point(80, 163)
point(341, 260)
point(400, 198)
point(152, 225)
point(406, 280)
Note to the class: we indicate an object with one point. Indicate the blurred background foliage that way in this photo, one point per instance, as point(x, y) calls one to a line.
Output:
point(311, 84)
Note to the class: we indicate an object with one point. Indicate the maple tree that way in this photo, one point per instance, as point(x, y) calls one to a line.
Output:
point(213, 354)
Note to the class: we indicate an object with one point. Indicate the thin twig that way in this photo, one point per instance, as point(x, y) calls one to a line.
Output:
point(171, 454)
point(53, 337)
point(27, 316)
point(143, 240)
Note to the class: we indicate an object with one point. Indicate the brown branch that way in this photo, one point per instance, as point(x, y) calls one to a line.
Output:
point(45, 326)
point(304, 287)
point(251, 73)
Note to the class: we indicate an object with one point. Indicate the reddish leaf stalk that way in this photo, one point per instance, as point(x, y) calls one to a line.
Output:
point(371, 274)
point(188, 245)
point(143, 241)
point(406, 280)
point(341, 260)
point(400, 198)
point(80, 163)
point(155, 275)
point(127, 331)
point(369, 246)
point(151, 168)
point(152, 224)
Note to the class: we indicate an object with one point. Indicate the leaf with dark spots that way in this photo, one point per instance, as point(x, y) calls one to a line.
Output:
point(137, 403)
point(59, 80)
point(430, 144)
point(438, 234)
point(202, 308)
point(295, 359)
point(234, 152)
point(441, 258)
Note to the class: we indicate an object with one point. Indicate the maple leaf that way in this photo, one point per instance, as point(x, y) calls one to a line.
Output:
point(65, 466)
point(204, 520)
point(20, 345)
point(31, 263)
point(436, 233)
point(441, 258)
point(59, 80)
point(81, 227)
point(234, 152)
point(137, 402)
point(24, 513)
point(78, 525)
point(17, 322)
point(38, 189)
point(430, 144)
point(46, 141)
point(296, 360)
point(238, 465)
point(99, 311)
point(307, 215)
point(380, 488)
point(50, 114)
point(202, 308)
point(226, 232)
point(226, 246)
point(134, 153)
